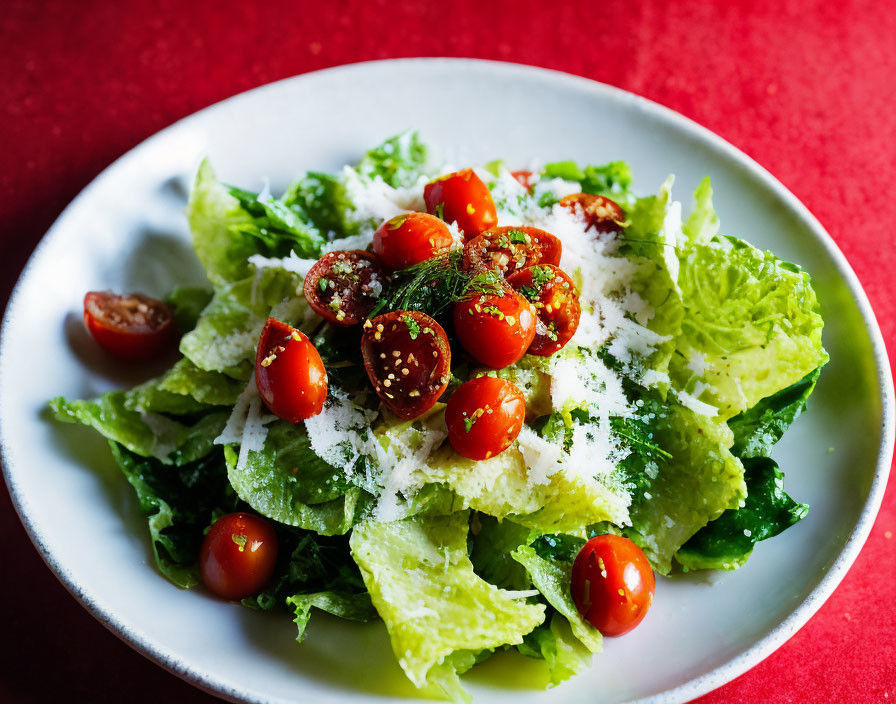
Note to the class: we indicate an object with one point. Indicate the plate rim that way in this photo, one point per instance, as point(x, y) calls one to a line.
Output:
point(686, 691)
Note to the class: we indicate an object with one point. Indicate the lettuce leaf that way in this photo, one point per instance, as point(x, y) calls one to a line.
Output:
point(564, 654)
point(700, 481)
point(280, 227)
point(226, 334)
point(703, 223)
point(148, 434)
point(352, 607)
point(751, 325)
point(324, 201)
point(434, 606)
point(188, 302)
point(727, 542)
point(180, 503)
point(399, 161)
point(493, 541)
point(612, 180)
point(268, 484)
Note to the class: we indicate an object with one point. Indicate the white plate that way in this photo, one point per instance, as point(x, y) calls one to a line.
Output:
point(126, 231)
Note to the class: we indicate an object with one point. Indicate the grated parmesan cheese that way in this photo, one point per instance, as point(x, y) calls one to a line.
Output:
point(246, 425)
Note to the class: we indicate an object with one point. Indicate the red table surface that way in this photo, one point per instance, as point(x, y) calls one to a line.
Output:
point(805, 88)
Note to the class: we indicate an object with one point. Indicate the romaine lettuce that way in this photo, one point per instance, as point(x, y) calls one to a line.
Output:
point(399, 161)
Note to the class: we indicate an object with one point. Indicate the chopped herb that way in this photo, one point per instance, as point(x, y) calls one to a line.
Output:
point(518, 237)
point(468, 423)
point(239, 540)
point(413, 326)
point(440, 211)
point(322, 285)
point(547, 200)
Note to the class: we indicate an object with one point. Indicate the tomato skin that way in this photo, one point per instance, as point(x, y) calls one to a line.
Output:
point(408, 361)
point(524, 178)
point(612, 584)
point(289, 372)
point(238, 555)
point(601, 213)
point(342, 286)
point(132, 327)
point(495, 330)
point(556, 302)
point(509, 249)
point(462, 197)
point(484, 416)
point(409, 239)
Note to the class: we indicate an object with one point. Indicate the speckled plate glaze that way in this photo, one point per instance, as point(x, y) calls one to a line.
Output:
point(126, 231)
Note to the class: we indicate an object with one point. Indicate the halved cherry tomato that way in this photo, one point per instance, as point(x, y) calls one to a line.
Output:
point(408, 360)
point(556, 302)
point(289, 372)
point(238, 555)
point(612, 584)
point(343, 286)
point(484, 416)
point(409, 239)
point(463, 198)
point(601, 213)
point(132, 327)
point(524, 178)
point(509, 249)
point(495, 330)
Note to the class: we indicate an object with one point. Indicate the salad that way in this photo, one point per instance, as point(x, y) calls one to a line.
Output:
point(485, 406)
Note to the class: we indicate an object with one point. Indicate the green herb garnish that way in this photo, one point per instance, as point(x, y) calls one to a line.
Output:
point(413, 326)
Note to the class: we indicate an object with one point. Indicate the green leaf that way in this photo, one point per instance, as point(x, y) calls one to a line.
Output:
point(744, 310)
point(700, 481)
point(212, 388)
point(552, 578)
point(226, 335)
point(567, 170)
point(281, 228)
point(219, 225)
point(187, 302)
point(324, 201)
point(756, 430)
point(353, 607)
point(435, 608)
point(703, 223)
point(180, 503)
point(311, 497)
point(493, 542)
point(727, 542)
point(562, 651)
point(144, 433)
point(399, 161)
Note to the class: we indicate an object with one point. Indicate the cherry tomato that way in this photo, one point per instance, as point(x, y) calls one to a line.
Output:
point(238, 555)
point(289, 372)
point(484, 416)
point(612, 584)
point(556, 302)
point(132, 327)
point(408, 360)
point(524, 178)
point(463, 198)
point(495, 330)
point(409, 239)
point(508, 249)
point(603, 214)
point(343, 286)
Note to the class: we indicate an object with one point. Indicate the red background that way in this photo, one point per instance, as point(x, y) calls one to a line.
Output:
point(806, 88)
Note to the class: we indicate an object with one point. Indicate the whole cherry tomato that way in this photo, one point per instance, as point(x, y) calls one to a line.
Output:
point(343, 286)
point(408, 361)
point(524, 178)
point(133, 327)
point(409, 239)
point(484, 416)
point(509, 249)
point(556, 302)
point(238, 555)
point(289, 372)
point(612, 584)
point(495, 330)
point(463, 198)
point(601, 213)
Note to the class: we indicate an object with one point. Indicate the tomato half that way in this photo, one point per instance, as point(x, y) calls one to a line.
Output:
point(556, 302)
point(408, 361)
point(495, 330)
point(509, 249)
point(289, 372)
point(343, 286)
point(238, 555)
point(463, 198)
point(132, 327)
point(601, 213)
point(524, 178)
point(612, 584)
point(409, 239)
point(484, 416)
